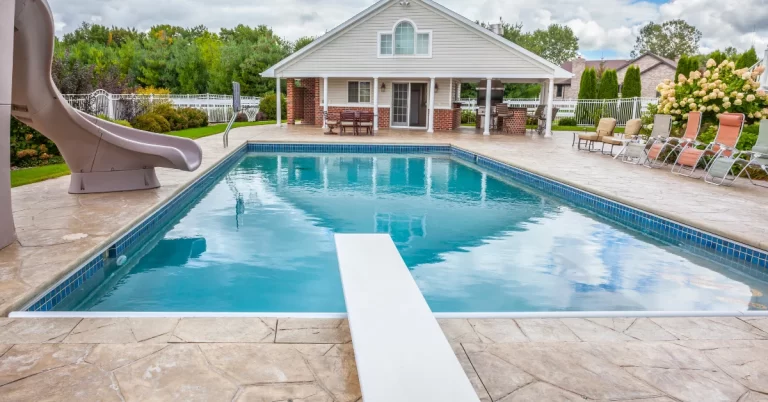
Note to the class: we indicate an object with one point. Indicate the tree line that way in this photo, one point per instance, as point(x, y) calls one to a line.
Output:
point(183, 60)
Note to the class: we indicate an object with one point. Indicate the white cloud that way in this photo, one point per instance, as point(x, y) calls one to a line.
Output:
point(610, 25)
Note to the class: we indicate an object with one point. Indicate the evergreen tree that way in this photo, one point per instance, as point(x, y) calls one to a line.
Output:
point(609, 85)
point(588, 86)
point(632, 86)
point(682, 66)
point(748, 59)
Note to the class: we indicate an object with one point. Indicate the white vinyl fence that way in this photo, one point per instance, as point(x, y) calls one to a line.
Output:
point(585, 111)
point(127, 106)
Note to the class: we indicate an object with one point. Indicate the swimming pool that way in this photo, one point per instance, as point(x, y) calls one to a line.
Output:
point(260, 239)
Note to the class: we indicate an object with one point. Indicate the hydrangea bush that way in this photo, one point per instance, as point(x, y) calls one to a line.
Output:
point(719, 89)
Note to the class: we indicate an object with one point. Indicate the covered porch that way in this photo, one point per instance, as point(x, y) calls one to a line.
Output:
point(402, 101)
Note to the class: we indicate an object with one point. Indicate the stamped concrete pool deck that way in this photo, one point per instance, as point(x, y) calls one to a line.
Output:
point(311, 360)
point(59, 231)
point(276, 359)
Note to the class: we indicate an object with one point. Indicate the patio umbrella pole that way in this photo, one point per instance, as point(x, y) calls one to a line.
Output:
point(7, 15)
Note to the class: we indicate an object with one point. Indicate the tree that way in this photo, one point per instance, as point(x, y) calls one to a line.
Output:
point(632, 87)
point(748, 59)
point(609, 85)
point(302, 42)
point(686, 64)
point(557, 43)
point(669, 39)
point(588, 85)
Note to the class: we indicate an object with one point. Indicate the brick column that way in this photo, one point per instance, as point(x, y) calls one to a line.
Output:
point(290, 84)
point(318, 108)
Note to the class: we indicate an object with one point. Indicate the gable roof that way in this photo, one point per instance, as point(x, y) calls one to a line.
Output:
point(610, 64)
point(664, 60)
point(378, 6)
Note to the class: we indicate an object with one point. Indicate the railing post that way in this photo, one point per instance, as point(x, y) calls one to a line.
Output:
point(635, 101)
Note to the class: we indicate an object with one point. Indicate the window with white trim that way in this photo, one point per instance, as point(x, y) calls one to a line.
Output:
point(359, 92)
point(405, 40)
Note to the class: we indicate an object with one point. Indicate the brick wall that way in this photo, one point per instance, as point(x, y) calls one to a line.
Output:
point(651, 78)
point(298, 103)
point(290, 86)
point(577, 68)
point(444, 119)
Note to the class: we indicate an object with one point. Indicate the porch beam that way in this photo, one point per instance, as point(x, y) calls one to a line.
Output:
point(550, 99)
point(325, 102)
point(487, 123)
point(431, 116)
point(279, 102)
point(375, 104)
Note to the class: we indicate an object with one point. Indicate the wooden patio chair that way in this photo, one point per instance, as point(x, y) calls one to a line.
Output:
point(541, 121)
point(502, 111)
point(347, 120)
point(540, 110)
point(366, 122)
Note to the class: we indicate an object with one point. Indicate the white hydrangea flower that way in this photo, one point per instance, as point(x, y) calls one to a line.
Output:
point(737, 102)
point(709, 108)
point(758, 115)
point(715, 108)
point(750, 98)
point(711, 63)
point(740, 95)
point(707, 74)
point(681, 78)
point(760, 93)
point(746, 76)
point(726, 99)
point(751, 116)
point(746, 87)
point(726, 104)
point(675, 104)
point(731, 65)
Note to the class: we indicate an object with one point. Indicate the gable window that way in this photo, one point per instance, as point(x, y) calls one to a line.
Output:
point(359, 92)
point(405, 40)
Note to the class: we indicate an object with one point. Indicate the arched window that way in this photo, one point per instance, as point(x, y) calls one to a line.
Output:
point(405, 40)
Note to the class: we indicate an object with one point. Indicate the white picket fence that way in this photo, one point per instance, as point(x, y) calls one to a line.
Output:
point(585, 111)
point(115, 106)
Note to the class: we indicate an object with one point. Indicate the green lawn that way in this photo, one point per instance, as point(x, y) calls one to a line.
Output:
point(562, 128)
point(33, 175)
point(200, 132)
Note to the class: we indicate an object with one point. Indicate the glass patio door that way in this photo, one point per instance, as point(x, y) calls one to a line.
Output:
point(400, 94)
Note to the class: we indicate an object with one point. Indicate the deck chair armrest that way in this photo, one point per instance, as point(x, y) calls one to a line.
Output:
point(725, 147)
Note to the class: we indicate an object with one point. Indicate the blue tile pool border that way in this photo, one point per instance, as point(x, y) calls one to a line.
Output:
point(753, 262)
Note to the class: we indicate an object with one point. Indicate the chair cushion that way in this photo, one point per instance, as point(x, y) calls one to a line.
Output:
point(633, 127)
point(589, 137)
point(366, 124)
point(720, 167)
point(348, 123)
point(611, 140)
point(763, 149)
point(635, 149)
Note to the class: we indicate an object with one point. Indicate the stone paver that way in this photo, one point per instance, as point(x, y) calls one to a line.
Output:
point(600, 360)
point(294, 330)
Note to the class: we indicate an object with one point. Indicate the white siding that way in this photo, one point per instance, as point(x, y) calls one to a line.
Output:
point(337, 91)
point(456, 50)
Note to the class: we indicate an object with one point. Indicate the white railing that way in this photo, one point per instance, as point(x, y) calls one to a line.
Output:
point(585, 111)
point(123, 106)
point(762, 78)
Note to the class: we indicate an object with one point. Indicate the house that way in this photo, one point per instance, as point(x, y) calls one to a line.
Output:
point(405, 61)
point(653, 70)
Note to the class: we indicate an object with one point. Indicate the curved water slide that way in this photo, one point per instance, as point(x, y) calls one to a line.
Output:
point(102, 156)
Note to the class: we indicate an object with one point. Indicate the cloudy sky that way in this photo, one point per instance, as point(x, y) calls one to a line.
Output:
point(604, 27)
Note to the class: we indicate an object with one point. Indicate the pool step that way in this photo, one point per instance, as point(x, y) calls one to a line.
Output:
point(401, 352)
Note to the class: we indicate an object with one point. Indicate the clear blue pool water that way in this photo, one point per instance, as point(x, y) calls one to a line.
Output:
point(261, 240)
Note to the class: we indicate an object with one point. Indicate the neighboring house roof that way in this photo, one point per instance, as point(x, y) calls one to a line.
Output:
point(321, 41)
point(664, 60)
point(610, 64)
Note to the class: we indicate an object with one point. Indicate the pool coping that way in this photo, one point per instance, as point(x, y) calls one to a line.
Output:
point(443, 315)
point(80, 263)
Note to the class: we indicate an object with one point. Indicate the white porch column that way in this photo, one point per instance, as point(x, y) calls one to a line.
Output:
point(279, 103)
point(7, 14)
point(431, 115)
point(375, 104)
point(325, 102)
point(487, 125)
point(764, 77)
point(550, 99)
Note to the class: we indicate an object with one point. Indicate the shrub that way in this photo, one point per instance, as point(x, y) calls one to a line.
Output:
point(30, 148)
point(120, 122)
point(568, 121)
point(748, 59)
point(195, 117)
point(587, 90)
point(177, 120)
point(152, 122)
point(260, 116)
point(268, 106)
point(719, 89)
point(241, 117)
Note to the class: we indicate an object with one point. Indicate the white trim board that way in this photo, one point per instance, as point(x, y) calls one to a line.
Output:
point(400, 350)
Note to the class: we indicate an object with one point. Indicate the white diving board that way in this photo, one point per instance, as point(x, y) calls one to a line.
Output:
point(401, 353)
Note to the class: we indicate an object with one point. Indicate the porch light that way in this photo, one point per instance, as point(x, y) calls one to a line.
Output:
point(437, 88)
point(383, 87)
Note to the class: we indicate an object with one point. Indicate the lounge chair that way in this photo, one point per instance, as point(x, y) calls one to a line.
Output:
point(634, 152)
point(604, 129)
point(631, 129)
point(728, 134)
point(673, 145)
point(721, 169)
point(661, 144)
